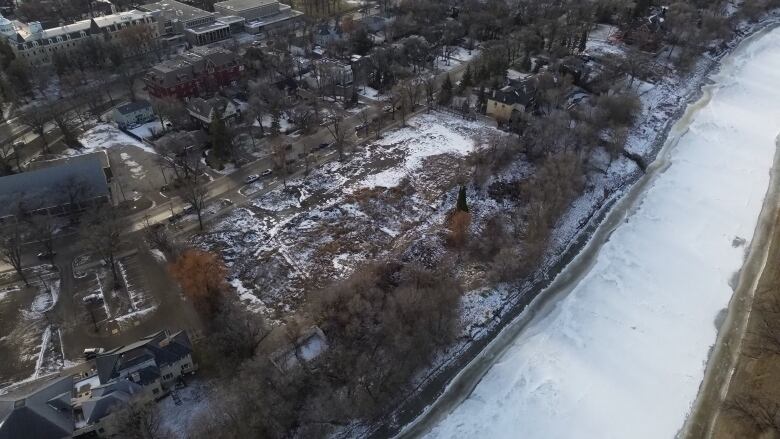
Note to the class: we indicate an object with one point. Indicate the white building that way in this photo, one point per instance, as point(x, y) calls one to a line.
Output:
point(36, 45)
point(260, 15)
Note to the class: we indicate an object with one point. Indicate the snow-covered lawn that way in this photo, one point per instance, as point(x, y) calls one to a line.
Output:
point(176, 419)
point(148, 130)
point(425, 137)
point(284, 123)
point(370, 93)
point(623, 354)
point(105, 136)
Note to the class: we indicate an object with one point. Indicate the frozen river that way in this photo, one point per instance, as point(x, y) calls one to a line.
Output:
point(622, 352)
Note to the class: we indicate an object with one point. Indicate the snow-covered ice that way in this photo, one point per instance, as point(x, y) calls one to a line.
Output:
point(623, 354)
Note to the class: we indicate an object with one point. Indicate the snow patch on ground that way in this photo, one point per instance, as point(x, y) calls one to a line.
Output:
point(105, 136)
point(425, 137)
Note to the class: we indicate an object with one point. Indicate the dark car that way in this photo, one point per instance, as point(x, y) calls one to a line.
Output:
point(91, 353)
point(324, 145)
point(46, 255)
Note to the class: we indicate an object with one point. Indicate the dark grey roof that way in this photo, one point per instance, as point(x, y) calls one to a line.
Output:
point(107, 398)
point(518, 92)
point(132, 107)
point(36, 413)
point(43, 187)
point(161, 347)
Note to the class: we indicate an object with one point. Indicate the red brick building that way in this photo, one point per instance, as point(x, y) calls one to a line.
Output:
point(202, 69)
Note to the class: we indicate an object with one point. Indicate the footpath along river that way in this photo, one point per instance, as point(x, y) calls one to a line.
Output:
point(618, 344)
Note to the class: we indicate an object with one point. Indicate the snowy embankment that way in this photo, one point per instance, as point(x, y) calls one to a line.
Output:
point(623, 353)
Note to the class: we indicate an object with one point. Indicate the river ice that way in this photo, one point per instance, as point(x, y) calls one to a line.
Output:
point(623, 354)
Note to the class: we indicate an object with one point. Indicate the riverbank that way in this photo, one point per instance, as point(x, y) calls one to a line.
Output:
point(731, 369)
point(467, 378)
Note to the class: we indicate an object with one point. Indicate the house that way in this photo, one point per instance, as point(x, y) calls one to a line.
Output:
point(326, 34)
point(154, 362)
point(94, 408)
point(37, 46)
point(57, 188)
point(131, 114)
point(194, 72)
point(502, 103)
point(42, 412)
point(331, 72)
point(204, 110)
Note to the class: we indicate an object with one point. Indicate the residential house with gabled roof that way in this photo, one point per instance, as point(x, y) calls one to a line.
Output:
point(327, 33)
point(93, 412)
point(205, 110)
point(501, 104)
point(41, 412)
point(155, 362)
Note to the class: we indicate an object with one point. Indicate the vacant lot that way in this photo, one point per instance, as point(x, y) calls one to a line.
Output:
point(389, 193)
point(29, 342)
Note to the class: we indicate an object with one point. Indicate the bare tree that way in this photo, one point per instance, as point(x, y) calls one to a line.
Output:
point(378, 109)
point(338, 129)
point(175, 153)
point(760, 413)
point(77, 191)
point(11, 243)
point(194, 191)
point(279, 154)
point(430, 91)
point(138, 419)
point(36, 119)
point(7, 157)
point(365, 120)
point(101, 233)
point(44, 227)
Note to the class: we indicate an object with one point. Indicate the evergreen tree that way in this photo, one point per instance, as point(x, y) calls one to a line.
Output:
point(445, 95)
point(525, 62)
point(221, 143)
point(462, 205)
point(467, 80)
point(583, 41)
point(275, 125)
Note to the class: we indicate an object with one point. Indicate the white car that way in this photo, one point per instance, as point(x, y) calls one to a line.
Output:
point(266, 173)
point(251, 179)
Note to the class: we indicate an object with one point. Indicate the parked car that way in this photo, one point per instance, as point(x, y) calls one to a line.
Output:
point(93, 298)
point(266, 173)
point(324, 145)
point(91, 353)
point(252, 178)
point(46, 255)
